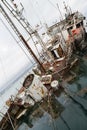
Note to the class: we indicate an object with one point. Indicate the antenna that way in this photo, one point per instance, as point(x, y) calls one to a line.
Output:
point(59, 11)
point(65, 6)
point(38, 6)
point(68, 9)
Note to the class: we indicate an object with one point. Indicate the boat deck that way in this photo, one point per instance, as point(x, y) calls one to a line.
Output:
point(69, 108)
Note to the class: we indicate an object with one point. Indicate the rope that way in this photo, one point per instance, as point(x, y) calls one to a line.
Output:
point(35, 11)
point(10, 121)
point(39, 9)
point(52, 4)
point(8, 117)
point(15, 39)
point(3, 68)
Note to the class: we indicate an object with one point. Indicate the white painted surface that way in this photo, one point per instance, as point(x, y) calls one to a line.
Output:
point(37, 90)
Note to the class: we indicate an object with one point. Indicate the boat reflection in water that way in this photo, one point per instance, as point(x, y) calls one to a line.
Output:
point(64, 111)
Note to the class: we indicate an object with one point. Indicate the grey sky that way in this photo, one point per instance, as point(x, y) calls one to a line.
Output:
point(12, 58)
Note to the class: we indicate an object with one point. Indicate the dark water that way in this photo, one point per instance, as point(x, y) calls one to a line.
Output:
point(66, 111)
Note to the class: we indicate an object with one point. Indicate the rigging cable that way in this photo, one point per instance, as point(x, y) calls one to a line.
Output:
point(8, 115)
point(2, 65)
point(3, 69)
point(52, 4)
point(10, 120)
point(56, 8)
point(35, 12)
point(15, 40)
point(27, 28)
point(39, 9)
point(9, 7)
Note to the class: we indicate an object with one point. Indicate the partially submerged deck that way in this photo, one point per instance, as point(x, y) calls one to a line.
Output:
point(72, 101)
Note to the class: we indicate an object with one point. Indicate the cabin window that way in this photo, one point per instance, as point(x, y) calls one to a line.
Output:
point(54, 55)
point(69, 30)
point(79, 24)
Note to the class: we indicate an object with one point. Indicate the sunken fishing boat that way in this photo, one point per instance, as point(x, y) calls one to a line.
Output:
point(54, 67)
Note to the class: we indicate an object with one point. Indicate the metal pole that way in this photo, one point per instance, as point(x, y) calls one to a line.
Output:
point(20, 36)
point(26, 44)
point(10, 121)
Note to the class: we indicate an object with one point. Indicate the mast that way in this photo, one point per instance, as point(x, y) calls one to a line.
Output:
point(19, 35)
point(18, 14)
point(63, 43)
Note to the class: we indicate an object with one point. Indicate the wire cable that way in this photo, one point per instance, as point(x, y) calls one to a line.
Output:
point(52, 4)
point(15, 40)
